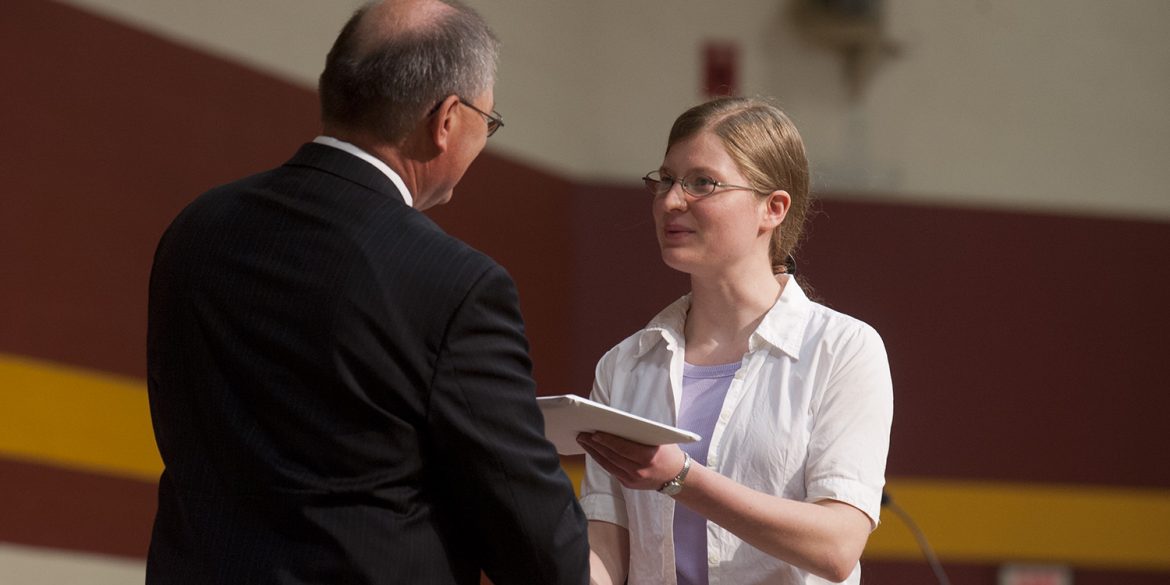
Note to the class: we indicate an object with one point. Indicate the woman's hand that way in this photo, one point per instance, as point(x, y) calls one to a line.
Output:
point(636, 466)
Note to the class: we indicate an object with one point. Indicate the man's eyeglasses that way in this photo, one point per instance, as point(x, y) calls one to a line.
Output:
point(494, 121)
point(659, 183)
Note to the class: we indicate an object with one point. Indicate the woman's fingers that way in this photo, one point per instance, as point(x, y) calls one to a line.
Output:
point(635, 465)
point(608, 462)
point(605, 452)
point(638, 453)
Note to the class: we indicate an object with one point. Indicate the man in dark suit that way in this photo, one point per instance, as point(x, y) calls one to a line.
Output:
point(341, 392)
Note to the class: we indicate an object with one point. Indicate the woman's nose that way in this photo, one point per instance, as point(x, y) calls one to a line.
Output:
point(675, 199)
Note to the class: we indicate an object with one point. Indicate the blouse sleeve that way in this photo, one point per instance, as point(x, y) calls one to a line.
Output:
point(601, 495)
point(850, 436)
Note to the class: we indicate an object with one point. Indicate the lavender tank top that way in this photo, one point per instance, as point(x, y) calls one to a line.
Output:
point(703, 391)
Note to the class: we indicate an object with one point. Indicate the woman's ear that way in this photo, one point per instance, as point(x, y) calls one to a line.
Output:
point(775, 208)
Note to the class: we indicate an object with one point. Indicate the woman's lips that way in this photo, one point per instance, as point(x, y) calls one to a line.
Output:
point(676, 231)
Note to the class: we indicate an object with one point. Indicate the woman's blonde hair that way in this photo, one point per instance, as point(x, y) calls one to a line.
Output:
point(767, 149)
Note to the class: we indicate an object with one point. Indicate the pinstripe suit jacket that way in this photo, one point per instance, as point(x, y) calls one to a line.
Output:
point(341, 393)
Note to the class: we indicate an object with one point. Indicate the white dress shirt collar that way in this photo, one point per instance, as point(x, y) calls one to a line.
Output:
point(782, 327)
point(381, 166)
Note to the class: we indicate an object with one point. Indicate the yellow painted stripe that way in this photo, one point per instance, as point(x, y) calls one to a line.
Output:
point(975, 522)
point(76, 418)
point(94, 421)
point(1087, 526)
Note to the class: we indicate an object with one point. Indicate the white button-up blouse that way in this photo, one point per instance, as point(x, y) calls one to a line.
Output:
point(807, 417)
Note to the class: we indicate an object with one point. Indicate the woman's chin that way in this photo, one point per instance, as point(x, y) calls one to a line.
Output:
point(679, 261)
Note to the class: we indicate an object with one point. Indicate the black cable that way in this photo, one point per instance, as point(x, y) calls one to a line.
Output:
point(931, 558)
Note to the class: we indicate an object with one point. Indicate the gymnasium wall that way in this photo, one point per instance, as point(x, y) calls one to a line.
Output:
point(1027, 343)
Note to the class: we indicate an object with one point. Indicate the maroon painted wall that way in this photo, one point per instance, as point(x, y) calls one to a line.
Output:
point(1025, 347)
point(108, 133)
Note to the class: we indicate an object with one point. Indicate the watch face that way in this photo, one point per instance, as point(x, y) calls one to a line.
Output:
point(671, 488)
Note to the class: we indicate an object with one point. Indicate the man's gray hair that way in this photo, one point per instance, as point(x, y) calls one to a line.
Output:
point(388, 83)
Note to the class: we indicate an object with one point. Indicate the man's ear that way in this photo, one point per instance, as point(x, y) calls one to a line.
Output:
point(442, 122)
point(775, 209)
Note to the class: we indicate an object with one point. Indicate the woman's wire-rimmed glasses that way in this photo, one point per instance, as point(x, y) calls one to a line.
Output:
point(658, 183)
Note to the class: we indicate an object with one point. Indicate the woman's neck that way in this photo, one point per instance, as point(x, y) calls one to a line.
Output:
point(725, 311)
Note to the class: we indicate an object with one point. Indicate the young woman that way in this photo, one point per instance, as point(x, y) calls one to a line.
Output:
point(793, 400)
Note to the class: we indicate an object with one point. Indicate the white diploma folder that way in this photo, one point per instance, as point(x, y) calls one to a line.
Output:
point(568, 415)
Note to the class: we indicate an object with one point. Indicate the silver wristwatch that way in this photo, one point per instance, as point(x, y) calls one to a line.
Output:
point(674, 486)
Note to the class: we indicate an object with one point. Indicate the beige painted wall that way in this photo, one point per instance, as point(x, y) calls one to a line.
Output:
point(34, 566)
point(1046, 104)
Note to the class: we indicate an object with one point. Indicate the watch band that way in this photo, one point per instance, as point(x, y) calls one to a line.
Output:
point(674, 486)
